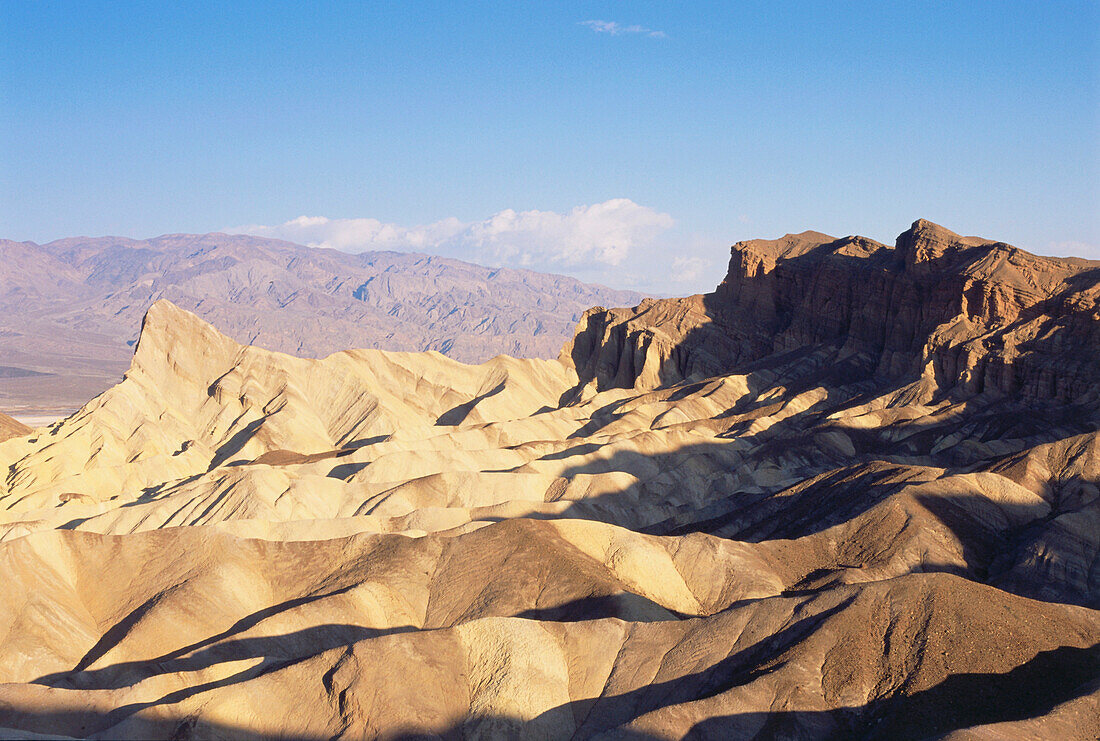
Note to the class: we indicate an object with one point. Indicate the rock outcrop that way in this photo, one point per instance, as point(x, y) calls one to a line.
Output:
point(967, 315)
point(757, 513)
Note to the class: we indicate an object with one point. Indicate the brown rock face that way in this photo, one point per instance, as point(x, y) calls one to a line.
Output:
point(967, 315)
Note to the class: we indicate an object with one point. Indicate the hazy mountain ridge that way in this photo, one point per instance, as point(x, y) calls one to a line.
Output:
point(750, 513)
point(70, 307)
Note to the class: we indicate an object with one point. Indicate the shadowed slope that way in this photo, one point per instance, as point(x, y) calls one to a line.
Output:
point(852, 493)
point(10, 428)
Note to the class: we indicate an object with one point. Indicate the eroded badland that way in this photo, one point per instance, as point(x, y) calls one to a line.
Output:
point(851, 493)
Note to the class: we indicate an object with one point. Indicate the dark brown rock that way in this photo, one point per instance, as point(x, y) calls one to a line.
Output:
point(967, 315)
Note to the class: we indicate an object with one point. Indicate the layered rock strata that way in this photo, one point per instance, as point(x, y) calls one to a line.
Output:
point(966, 315)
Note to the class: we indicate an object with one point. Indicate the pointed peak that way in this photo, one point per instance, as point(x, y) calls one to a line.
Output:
point(170, 333)
point(10, 428)
point(165, 315)
point(926, 243)
point(164, 306)
point(810, 235)
point(924, 226)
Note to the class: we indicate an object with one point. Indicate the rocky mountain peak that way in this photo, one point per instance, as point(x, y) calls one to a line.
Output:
point(171, 337)
point(960, 314)
point(930, 248)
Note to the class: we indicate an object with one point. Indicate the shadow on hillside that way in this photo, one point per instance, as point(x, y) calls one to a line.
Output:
point(829, 470)
point(827, 473)
point(202, 654)
point(1011, 544)
point(961, 700)
point(1029, 690)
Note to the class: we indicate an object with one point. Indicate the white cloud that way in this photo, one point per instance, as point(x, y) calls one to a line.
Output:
point(1073, 248)
point(613, 28)
point(585, 240)
point(687, 269)
point(356, 235)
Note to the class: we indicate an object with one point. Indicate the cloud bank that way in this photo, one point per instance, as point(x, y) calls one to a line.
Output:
point(616, 242)
point(613, 28)
point(1073, 248)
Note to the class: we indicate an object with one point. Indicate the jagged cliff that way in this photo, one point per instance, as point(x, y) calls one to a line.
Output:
point(959, 314)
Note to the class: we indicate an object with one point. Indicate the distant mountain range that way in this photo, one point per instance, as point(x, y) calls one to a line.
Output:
point(70, 309)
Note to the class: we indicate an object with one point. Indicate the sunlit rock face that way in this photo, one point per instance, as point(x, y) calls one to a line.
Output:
point(851, 493)
point(968, 314)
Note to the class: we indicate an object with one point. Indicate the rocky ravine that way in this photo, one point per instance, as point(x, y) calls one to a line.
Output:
point(852, 493)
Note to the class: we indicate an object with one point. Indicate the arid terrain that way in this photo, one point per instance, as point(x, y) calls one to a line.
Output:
point(70, 309)
point(852, 493)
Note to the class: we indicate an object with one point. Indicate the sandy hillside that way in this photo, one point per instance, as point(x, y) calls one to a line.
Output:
point(10, 428)
point(853, 493)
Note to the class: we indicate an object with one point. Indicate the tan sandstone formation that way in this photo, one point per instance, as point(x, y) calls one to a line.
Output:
point(10, 428)
point(851, 494)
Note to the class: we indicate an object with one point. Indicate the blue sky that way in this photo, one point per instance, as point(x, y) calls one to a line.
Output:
point(517, 133)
